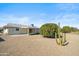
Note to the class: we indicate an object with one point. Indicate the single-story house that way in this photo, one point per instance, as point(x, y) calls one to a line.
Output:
point(20, 29)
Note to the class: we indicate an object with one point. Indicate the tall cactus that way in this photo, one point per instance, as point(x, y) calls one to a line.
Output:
point(60, 40)
point(57, 40)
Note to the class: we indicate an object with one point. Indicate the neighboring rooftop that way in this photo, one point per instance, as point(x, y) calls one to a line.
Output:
point(20, 25)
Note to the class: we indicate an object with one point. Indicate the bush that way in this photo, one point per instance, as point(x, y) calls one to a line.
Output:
point(49, 30)
point(1, 30)
point(66, 29)
point(73, 29)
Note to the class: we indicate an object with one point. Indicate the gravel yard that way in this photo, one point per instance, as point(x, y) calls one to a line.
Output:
point(36, 45)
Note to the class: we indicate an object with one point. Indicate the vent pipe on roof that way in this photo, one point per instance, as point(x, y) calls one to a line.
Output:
point(32, 25)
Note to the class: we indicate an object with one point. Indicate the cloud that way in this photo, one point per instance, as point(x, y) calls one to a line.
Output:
point(67, 6)
point(67, 20)
point(1, 24)
point(23, 20)
point(13, 19)
point(37, 20)
point(40, 22)
point(64, 19)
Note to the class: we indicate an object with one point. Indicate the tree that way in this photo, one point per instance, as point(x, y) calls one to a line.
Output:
point(49, 30)
point(1, 30)
point(73, 29)
point(66, 29)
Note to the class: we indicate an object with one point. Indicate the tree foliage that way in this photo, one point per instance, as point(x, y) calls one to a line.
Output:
point(1, 30)
point(49, 29)
point(73, 29)
point(66, 29)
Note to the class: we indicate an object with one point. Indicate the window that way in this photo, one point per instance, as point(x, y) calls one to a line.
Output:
point(17, 29)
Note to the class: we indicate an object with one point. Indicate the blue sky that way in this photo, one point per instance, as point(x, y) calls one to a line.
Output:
point(40, 13)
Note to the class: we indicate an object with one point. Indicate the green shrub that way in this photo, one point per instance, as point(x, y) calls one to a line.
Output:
point(73, 29)
point(1, 30)
point(49, 30)
point(66, 29)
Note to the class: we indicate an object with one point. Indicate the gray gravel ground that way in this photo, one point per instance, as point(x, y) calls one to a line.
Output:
point(36, 45)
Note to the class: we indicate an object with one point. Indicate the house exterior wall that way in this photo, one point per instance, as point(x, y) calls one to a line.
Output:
point(36, 30)
point(5, 31)
point(20, 31)
point(23, 31)
point(14, 31)
point(33, 30)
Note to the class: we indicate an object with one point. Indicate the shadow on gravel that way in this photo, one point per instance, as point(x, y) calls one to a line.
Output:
point(66, 43)
point(1, 39)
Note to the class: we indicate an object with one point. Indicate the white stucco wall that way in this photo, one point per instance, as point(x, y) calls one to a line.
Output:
point(5, 31)
point(21, 31)
point(14, 31)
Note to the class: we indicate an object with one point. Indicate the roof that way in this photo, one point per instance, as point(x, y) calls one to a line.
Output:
point(10, 25)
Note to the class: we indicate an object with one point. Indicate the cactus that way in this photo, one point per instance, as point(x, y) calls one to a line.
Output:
point(60, 40)
point(57, 40)
point(64, 37)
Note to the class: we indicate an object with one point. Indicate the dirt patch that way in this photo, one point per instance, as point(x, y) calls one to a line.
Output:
point(36, 45)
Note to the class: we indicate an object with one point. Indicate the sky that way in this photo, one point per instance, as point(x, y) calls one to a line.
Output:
point(40, 13)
